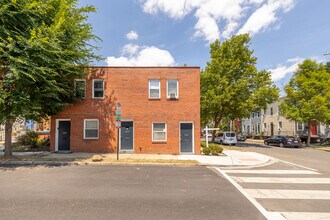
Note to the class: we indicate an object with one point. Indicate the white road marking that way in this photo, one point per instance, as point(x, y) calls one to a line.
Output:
point(282, 180)
point(306, 215)
point(268, 215)
point(272, 171)
point(288, 194)
point(308, 168)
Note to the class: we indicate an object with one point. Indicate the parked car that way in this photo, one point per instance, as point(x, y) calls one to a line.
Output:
point(283, 141)
point(240, 137)
point(226, 138)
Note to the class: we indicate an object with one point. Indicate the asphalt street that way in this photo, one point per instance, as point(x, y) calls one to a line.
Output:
point(120, 192)
point(305, 156)
point(296, 185)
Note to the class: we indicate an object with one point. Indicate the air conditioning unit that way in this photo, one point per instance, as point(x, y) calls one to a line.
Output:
point(173, 95)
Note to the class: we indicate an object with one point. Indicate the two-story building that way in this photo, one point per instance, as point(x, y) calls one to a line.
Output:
point(160, 111)
point(269, 122)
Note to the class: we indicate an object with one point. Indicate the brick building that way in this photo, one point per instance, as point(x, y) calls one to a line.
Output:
point(160, 108)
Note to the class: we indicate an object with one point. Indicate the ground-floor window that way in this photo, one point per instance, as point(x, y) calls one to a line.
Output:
point(91, 129)
point(159, 131)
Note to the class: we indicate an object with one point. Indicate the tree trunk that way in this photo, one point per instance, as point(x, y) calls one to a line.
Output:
point(8, 131)
point(309, 135)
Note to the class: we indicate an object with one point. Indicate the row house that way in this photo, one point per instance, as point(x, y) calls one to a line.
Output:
point(269, 122)
point(160, 111)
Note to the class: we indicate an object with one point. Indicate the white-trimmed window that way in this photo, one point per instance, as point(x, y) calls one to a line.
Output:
point(280, 126)
point(154, 89)
point(300, 126)
point(91, 129)
point(258, 128)
point(271, 111)
point(98, 88)
point(80, 88)
point(172, 89)
point(159, 131)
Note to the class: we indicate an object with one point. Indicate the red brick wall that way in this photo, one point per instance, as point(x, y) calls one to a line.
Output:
point(130, 87)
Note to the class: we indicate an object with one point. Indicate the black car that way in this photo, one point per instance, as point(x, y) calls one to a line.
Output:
point(283, 141)
point(240, 137)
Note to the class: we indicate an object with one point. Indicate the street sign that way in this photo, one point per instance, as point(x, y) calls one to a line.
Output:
point(118, 124)
point(118, 112)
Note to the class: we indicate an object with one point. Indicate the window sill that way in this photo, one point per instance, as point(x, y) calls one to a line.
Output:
point(91, 139)
point(159, 142)
point(98, 98)
point(154, 99)
point(171, 99)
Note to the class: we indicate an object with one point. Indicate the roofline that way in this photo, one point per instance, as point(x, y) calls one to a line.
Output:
point(151, 67)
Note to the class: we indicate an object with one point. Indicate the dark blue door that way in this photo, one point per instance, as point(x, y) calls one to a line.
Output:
point(186, 137)
point(64, 135)
point(126, 136)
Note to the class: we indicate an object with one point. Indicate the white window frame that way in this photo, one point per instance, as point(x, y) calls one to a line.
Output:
point(152, 132)
point(93, 89)
point(158, 88)
point(271, 111)
point(98, 128)
point(75, 83)
point(302, 126)
point(177, 88)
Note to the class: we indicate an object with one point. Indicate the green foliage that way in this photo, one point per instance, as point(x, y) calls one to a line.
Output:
point(30, 141)
point(308, 94)
point(214, 149)
point(206, 150)
point(44, 45)
point(30, 138)
point(231, 86)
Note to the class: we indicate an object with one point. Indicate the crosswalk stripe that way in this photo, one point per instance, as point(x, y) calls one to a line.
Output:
point(288, 194)
point(282, 180)
point(305, 215)
point(272, 171)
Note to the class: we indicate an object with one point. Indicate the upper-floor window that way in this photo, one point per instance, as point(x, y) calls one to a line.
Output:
point(91, 129)
point(80, 88)
point(258, 114)
point(172, 89)
point(98, 88)
point(271, 111)
point(300, 126)
point(154, 89)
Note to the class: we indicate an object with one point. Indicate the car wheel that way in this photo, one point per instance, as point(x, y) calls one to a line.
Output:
point(266, 143)
point(281, 145)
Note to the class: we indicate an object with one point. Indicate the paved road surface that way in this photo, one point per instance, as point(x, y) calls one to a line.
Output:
point(120, 192)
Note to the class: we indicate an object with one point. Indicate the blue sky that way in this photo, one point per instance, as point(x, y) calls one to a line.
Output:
point(177, 32)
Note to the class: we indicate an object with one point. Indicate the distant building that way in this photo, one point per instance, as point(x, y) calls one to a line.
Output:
point(269, 122)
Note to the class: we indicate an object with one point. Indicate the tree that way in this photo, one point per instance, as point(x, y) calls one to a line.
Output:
point(327, 67)
point(44, 46)
point(231, 86)
point(308, 95)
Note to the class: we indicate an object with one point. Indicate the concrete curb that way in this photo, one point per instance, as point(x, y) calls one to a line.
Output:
point(63, 163)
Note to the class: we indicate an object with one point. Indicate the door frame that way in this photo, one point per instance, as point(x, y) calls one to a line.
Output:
point(57, 122)
point(193, 137)
point(131, 151)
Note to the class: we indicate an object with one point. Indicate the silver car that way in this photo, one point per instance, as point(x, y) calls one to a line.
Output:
point(226, 138)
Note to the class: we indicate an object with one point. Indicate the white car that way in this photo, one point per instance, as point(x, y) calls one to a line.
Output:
point(226, 138)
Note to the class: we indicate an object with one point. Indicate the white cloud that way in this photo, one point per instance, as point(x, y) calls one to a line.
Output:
point(132, 35)
point(281, 70)
point(264, 16)
point(142, 56)
point(130, 49)
point(231, 14)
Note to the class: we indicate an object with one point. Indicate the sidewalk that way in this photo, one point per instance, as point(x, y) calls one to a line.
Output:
point(229, 158)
